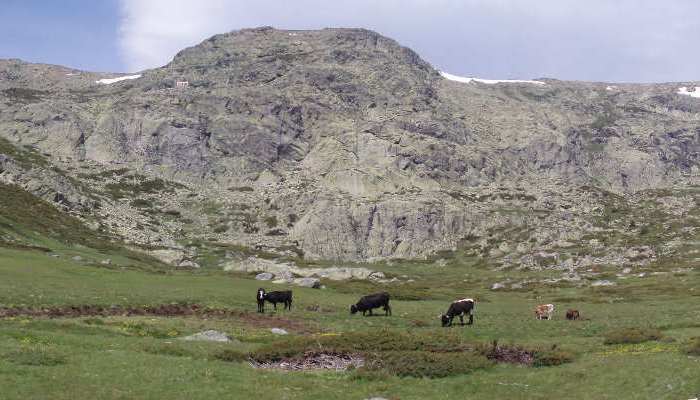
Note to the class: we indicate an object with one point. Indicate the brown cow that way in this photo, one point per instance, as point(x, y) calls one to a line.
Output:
point(544, 311)
point(572, 314)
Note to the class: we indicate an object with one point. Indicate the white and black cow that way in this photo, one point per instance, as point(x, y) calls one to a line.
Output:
point(260, 298)
point(370, 302)
point(274, 298)
point(459, 308)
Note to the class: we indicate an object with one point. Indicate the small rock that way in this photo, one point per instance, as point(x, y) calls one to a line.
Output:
point(209, 336)
point(106, 262)
point(77, 258)
point(279, 331)
point(55, 255)
point(264, 276)
point(308, 282)
point(603, 283)
point(497, 286)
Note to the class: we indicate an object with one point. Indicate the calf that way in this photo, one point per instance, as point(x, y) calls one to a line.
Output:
point(572, 315)
point(544, 311)
point(370, 302)
point(280, 297)
point(459, 308)
point(260, 298)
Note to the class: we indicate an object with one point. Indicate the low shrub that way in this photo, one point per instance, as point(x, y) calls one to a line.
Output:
point(423, 364)
point(693, 347)
point(36, 356)
point(231, 355)
point(632, 335)
point(145, 330)
point(168, 350)
point(93, 321)
point(547, 358)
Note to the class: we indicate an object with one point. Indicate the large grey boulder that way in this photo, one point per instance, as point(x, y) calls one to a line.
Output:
point(264, 276)
point(308, 282)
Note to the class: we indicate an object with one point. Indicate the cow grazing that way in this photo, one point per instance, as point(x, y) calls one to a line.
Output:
point(280, 297)
point(544, 311)
point(572, 315)
point(260, 298)
point(459, 308)
point(370, 302)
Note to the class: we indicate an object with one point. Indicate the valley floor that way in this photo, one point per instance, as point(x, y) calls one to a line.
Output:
point(140, 357)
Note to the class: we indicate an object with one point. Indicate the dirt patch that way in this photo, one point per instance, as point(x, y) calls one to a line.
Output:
point(511, 355)
point(162, 310)
point(313, 361)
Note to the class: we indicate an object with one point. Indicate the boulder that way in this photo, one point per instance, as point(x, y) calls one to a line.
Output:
point(264, 276)
point(308, 282)
point(279, 331)
point(603, 283)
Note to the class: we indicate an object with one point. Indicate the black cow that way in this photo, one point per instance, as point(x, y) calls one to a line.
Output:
point(459, 308)
point(260, 298)
point(280, 297)
point(370, 302)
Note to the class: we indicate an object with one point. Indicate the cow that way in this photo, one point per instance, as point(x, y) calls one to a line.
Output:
point(370, 302)
point(544, 311)
point(279, 297)
point(260, 298)
point(459, 308)
point(572, 315)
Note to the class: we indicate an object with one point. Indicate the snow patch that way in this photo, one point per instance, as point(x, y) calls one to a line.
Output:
point(611, 88)
point(486, 81)
point(692, 93)
point(109, 81)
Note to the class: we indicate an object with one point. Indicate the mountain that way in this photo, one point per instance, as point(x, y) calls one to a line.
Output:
point(340, 144)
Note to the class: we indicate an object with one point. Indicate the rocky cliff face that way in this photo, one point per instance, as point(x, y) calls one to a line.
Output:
point(342, 144)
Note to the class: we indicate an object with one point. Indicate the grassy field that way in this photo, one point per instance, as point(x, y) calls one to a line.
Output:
point(118, 357)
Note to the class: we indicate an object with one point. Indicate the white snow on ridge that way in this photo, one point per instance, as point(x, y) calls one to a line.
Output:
point(486, 81)
point(692, 92)
point(108, 81)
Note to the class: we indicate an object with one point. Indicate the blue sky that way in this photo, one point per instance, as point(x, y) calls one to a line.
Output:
point(76, 33)
point(594, 40)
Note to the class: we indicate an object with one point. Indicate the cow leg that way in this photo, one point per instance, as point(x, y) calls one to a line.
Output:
point(275, 306)
point(461, 319)
point(387, 310)
point(471, 319)
point(370, 312)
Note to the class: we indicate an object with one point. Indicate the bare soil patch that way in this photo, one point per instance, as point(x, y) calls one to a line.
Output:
point(162, 310)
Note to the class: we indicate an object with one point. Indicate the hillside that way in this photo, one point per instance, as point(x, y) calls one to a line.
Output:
point(342, 145)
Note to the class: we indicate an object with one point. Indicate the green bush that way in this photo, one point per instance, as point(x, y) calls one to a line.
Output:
point(167, 350)
point(547, 358)
point(36, 356)
point(632, 335)
point(693, 347)
point(423, 364)
point(231, 355)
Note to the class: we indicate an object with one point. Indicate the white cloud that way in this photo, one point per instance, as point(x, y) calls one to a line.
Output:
point(152, 31)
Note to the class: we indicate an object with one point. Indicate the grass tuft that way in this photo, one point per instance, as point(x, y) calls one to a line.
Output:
point(632, 335)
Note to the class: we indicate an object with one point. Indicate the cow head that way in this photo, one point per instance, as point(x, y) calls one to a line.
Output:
point(445, 320)
point(353, 309)
point(261, 294)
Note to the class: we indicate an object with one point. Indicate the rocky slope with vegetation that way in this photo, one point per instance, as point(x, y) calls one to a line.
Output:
point(342, 145)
